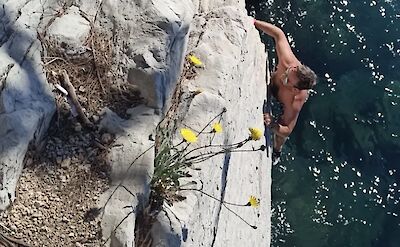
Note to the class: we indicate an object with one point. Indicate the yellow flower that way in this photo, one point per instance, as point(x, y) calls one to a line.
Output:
point(188, 135)
point(254, 202)
point(217, 128)
point(255, 134)
point(195, 61)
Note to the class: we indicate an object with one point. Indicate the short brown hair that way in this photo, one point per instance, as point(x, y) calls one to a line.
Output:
point(307, 77)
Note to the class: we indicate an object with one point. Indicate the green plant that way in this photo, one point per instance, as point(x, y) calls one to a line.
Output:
point(173, 162)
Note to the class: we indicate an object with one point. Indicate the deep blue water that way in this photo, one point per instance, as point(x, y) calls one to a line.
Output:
point(339, 180)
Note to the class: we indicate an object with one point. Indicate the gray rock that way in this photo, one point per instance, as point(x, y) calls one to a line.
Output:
point(95, 118)
point(78, 127)
point(150, 41)
point(26, 102)
point(223, 37)
point(106, 138)
point(134, 174)
point(233, 78)
point(70, 30)
point(66, 163)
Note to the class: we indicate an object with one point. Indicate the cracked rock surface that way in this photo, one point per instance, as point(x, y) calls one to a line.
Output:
point(26, 102)
point(65, 179)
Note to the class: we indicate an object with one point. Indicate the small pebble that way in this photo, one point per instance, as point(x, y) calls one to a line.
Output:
point(78, 127)
point(59, 160)
point(106, 138)
point(95, 118)
point(66, 163)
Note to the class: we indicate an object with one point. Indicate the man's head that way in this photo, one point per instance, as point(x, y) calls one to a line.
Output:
point(307, 77)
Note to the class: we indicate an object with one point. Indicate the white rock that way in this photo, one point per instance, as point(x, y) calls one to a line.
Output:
point(71, 29)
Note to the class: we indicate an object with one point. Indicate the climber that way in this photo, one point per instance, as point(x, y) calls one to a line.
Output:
point(290, 84)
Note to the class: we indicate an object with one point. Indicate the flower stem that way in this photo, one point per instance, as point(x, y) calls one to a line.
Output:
point(220, 114)
point(234, 145)
point(213, 197)
point(224, 203)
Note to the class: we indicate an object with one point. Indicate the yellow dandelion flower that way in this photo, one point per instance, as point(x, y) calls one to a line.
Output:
point(188, 135)
point(255, 134)
point(217, 128)
point(254, 202)
point(195, 61)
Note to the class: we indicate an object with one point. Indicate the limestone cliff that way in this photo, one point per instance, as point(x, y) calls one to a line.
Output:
point(151, 41)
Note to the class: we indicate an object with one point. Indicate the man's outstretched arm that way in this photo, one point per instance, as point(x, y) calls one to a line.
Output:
point(284, 51)
point(270, 29)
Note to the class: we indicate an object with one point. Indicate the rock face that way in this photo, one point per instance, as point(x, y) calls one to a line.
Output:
point(132, 165)
point(150, 42)
point(150, 39)
point(153, 39)
point(223, 37)
point(26, 102)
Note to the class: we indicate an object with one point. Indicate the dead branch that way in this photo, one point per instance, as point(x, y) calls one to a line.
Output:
point(71, 93)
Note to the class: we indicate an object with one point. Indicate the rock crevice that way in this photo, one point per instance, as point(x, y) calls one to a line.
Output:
point(150, 42)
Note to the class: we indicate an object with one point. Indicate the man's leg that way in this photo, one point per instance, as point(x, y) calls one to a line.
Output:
point(278, 144)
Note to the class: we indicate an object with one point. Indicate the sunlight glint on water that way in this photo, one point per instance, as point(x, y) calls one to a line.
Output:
point(338, 183)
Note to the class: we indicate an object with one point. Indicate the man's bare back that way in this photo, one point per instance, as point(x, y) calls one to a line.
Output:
point(289, 84)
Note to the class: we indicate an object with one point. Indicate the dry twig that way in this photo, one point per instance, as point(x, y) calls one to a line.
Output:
point(71, 93)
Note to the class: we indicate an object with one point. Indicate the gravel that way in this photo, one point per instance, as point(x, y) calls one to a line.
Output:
point(59, 187)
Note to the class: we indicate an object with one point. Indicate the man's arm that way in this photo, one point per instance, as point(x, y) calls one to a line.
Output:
point(283, 48)
point(273, 31)
point(276, 127)
point(286, 123)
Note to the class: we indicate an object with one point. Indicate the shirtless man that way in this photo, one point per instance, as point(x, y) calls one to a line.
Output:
point(289, 85)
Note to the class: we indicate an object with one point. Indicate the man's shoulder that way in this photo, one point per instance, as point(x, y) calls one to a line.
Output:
point(300, 99)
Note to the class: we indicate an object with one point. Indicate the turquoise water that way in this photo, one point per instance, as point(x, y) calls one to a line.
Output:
point(339, 180)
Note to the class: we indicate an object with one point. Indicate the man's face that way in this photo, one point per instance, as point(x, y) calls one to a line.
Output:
point(290, 78)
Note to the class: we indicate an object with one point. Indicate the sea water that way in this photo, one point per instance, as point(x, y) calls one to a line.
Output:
point(338, 183)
